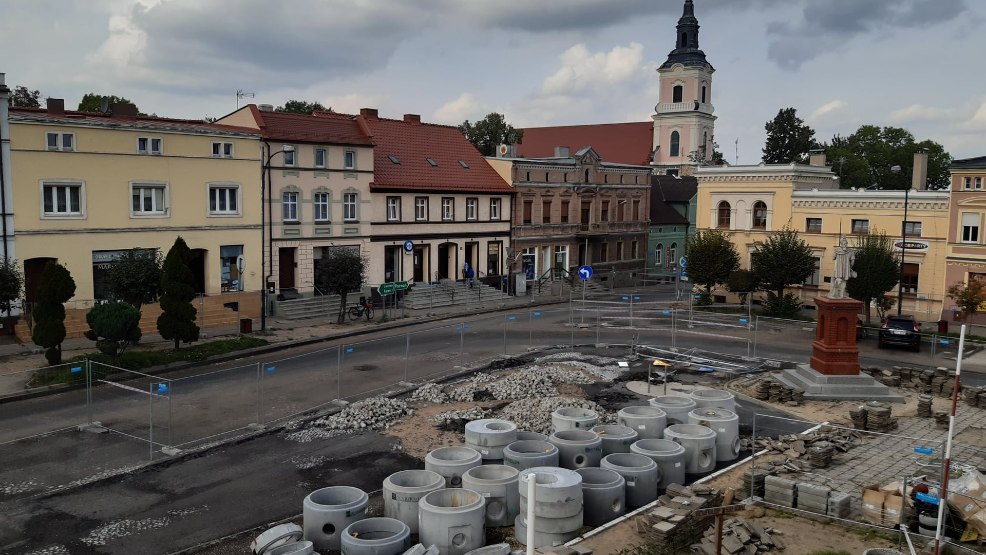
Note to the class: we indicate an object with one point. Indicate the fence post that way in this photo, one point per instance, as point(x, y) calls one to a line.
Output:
point(260, 395)
point(756, 326)
point(597, 326)
point(171, 419)
point(407, 352)
point(674, 327)
point(150, 421)
point(89, 391)
point(504, 333)
point(339, 373)
point(530, 328)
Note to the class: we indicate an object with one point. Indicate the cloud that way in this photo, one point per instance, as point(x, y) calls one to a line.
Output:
point(978, 121)
point(827, 109)
point(351, 103)
point(828, 26)
point(918, 113)
point(458, 110)
point(581, 69)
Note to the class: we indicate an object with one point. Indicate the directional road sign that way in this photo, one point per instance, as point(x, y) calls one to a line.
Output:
point(585, 272)
point(409, 246)
point(683, 262)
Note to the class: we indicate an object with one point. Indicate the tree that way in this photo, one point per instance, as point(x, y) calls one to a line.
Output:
point(113, 326)
point(55, 287)
point(135, 276)
point(865, 158)
point(711, 258)
point(23, 97)
point(788, 139)
point(11, 284)
point(742, 282)
point(342, 270)
point(699, 157)
point(782, 260)
point(177, 319)
point(92, 102)
point(302, 107)
point(969, 296)
point(876, 267)
point(490, 132)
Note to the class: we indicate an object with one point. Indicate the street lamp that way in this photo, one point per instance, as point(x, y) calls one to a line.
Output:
point(903, 246)
point(267, 217)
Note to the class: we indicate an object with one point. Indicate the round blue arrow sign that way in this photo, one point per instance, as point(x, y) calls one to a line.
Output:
point(585, 272)
point(408, 245)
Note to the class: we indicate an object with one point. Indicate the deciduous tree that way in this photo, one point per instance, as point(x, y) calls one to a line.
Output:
point(789, 139)
point(302, 107)
point(711, 258)
point(876, 267)
point(11, 283)
point(177, 319)
point(342, 270)
point(55, 287)
point(969, 296)
point(865, 158)
point(490, 132)
point(113, 326)
point(23, 97)
point(742, 282)
point(782, 260)
point(135, 276)
point(92, 102)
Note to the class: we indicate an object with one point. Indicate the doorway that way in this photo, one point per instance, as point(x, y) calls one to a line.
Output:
point(472, 257)
point(420, 264)
point(32, 276)
point(285, 267)
point(197, 265)
point(392, 264)
point(447, 261)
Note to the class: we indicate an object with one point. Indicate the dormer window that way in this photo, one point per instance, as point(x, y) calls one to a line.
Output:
point(393, 159)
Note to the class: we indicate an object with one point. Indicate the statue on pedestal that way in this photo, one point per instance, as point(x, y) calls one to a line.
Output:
point(843, 269)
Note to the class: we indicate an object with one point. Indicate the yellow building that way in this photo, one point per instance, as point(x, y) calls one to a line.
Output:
point(87, 186)
point(750, 202)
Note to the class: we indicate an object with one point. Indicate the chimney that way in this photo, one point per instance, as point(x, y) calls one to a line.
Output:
point(123, 109)
point(56, 106)
point(561, 152)
point(3, 83)
point(368, 113)
point(919, 176)
point(817, 158)
point(265, 107)
point(412, 118)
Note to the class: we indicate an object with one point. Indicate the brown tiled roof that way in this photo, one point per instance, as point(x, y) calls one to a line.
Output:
point(624, 143)
point(151, 123)
point(412, 144)
point(321, 127)
point(667, 190)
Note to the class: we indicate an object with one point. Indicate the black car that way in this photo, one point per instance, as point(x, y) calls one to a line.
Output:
point(900, 330)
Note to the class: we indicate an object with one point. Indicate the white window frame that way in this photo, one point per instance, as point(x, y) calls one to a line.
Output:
point(421, 209)
point(59, 141)
point(864, 226)
point(324, 153)
point(659, 254)
point(448, 209)
point(967, 183)
point(149, 143)
point(226, 186)
point(289, 152)
point(68, 215)
point(349, 160)
point(494, 209)
point(970, 221)
point(222, 149)
point(472, 209)
point(323, 205)
point(393, 209)
point(163, 212)
point(289, 206)
point(350, 207)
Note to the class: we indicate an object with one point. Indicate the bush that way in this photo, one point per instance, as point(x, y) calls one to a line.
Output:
point(113, 326)
point(786, 306)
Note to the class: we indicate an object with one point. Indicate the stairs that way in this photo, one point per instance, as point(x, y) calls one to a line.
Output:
point(561, 288)
point(323, 306)
point(449, 293)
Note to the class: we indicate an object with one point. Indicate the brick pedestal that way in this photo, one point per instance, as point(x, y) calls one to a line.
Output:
point(834, 351)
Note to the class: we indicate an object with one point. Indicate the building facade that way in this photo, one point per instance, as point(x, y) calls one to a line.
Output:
point(575, 209)
point(966, 249)
point(672, 222)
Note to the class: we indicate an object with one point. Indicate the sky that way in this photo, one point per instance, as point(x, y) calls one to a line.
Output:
point(915, 64)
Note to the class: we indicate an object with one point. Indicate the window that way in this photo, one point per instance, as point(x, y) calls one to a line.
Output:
point(970, 227)
point(319, 157)
point(604, 212)
point(421, 209)
point(448, 209)
point(288, 153)
point(349, 206)
point(546, 211)
point(966, 181)
point(393, 209)
point(724, 214)
point(393, 159)
point(472, 209)
point(860, 227)
point(619, 250)
point(909, 278)
point(528, 208)
point(349, 160)
point(464, 164)
point(812, 280)
point(148, 145)
point(659, 254)
point(230, 277)
point(813, 225)
point(494, 209)
point(564, 211)
point(604, 252)
point(61, 141)
point(289, 206)
point(431, 162)
point(979, 183)
point(759, 215)
point(704, 88)
point(675, 143)
point(147, 199)
point(677, 93)
point(320, 201)
point(912, 229)
point(636, 210)
point(672, 254)
point(62, 199)
point(224, 200)
point(222, 150)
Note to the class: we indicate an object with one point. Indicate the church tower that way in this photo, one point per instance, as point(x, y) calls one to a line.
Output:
point(683, 118)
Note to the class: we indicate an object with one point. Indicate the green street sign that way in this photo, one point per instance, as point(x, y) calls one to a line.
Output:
point(401, 285)
point(386, 289)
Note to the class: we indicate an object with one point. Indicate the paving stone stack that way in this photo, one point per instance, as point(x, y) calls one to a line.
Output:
point(878, 417)
point(780, 491)
point(981, 399)
point(938, 382)
point(796, 448)
point(754, 477)
point(858, 417)
point(762, 390)
point(776, 392)
point(812, 497)
point(924, 405)
point(670, 523)
point(839, 504)
point(971, 395)
point(740, 537)
point(820, 455)
point(941, 420)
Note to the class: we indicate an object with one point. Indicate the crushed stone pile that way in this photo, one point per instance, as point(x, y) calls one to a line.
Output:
point(539, 380)
point(369, 414)
point(469, 390)
point(534, 414)
point(430, 393)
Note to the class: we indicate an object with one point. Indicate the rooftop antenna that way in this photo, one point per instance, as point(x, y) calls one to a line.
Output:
point(240, 93)
point(737, 151)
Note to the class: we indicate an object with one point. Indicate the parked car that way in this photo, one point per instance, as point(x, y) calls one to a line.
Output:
point(900, 330)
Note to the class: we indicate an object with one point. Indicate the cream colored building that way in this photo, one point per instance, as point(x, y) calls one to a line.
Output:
point(966, 258)
point(750, 202)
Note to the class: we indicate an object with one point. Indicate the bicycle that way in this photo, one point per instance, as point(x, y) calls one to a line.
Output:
point(362, 308)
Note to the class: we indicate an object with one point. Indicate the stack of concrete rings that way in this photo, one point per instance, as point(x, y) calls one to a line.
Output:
point(558, 513)
point(489, 436)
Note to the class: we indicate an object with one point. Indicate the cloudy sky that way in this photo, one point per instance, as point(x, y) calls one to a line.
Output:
point(842, 63)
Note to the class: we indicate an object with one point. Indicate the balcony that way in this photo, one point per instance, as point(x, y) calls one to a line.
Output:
point(693, 106)
point(545, 230)
point(604, 228)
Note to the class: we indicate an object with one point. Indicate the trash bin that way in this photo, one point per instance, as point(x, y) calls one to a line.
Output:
point(246, 325)
point(942, 326)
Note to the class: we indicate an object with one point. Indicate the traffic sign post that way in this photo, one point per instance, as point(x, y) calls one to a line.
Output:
point(585, 272)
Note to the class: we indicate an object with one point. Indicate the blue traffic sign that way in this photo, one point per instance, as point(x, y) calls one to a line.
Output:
point(585, 272)
point(683, 262)
point(409, 246)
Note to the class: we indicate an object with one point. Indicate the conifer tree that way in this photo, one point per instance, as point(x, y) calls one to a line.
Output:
point(177, 319)
point(55, 287)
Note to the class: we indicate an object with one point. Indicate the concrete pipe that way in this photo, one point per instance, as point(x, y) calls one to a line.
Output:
point(670, 457)
point(376, 536)
point(555, 525)
point(275, 536)
point(616, 438)
point(725, 423)
point(577, 448)
point(402, 491)
point(541, 539)
point(452, 463)
point(452, 520)
point(557, 491)
point(711, 398)
point(699, 443)
point(526, 454)
point(498, 484)
point(640, 473)
point(523, 435)
point(495, 549)
point(489, 436)
point(603, 495)
point(648, 421)
point(675, 408)
point(573, 418)
point(295, 548)
point(328, 511)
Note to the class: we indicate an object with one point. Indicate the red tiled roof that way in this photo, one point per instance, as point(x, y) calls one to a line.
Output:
point(321, 127)
point(623, 143)
point(413, 143)
point(71, 117)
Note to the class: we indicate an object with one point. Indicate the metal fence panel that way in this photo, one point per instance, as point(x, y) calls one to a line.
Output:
point(292, 385)
point(208, 405)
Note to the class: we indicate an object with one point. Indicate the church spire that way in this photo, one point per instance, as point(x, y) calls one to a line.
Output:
point(686, 50)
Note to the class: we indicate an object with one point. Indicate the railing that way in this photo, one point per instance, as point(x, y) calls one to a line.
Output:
point(546, 229)
point(613, 227)
point(693, 106)
point(555, 274)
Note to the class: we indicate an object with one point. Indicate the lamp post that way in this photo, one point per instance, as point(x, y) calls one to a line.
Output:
point(267, 235)
point(903, 246)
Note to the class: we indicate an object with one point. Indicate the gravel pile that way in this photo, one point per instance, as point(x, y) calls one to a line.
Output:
point(534, 414)
point(369, 414)
point(466, 391)
point(456, 419)
point(521, 385)
point(430, 393)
